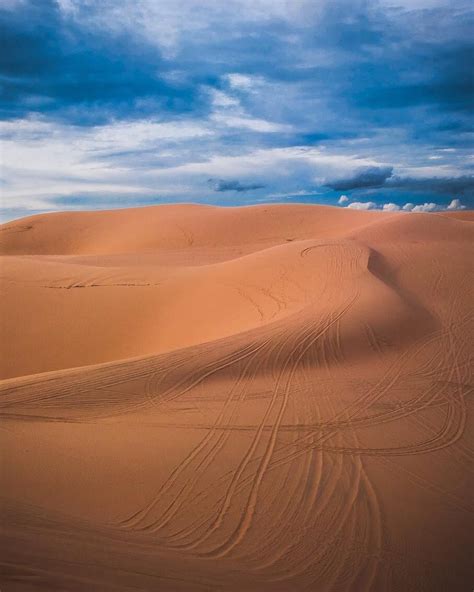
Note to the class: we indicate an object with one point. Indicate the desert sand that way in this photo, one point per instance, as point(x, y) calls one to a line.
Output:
point(269, 398)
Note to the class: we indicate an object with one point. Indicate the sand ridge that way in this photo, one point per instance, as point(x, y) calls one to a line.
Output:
point(263, 398)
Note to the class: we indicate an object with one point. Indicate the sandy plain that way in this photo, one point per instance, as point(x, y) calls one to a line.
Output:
point(269, 398)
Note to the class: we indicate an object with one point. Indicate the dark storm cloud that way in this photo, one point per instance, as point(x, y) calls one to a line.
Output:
point(60, 69)
point(221, 185)
point(365, 60)
point(363, 178)
point(445, 80)
point(455, 186)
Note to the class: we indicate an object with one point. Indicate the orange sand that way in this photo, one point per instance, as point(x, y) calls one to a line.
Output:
point(270, 398)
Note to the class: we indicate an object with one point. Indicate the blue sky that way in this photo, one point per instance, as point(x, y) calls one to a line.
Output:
point(132, 102)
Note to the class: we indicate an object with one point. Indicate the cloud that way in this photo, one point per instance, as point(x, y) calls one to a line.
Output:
point(244, 82)
point(456, 205)
point(366, 205)
point(228, 111)
point(161, 96)
point(427, 207)
point(457, 185)
point(390, 207)
point(256, 125)
point(363, 178)
point(51, 64)
point(221, 99)
point(174, 158)
point(343, 199)
point(221, 185)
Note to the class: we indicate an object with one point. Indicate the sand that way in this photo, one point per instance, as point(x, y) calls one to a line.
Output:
point(270, 398)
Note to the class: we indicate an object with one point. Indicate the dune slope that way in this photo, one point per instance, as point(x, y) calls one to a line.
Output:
point(272, 398)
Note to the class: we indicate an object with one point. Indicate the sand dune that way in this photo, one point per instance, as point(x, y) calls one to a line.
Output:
point(271, 398)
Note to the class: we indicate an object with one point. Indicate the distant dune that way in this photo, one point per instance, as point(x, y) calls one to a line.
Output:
point(271, 398)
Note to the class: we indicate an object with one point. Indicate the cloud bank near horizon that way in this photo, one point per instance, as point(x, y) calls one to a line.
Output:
point(114, 104)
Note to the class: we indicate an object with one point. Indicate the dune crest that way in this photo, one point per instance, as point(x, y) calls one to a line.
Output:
point(267, 398)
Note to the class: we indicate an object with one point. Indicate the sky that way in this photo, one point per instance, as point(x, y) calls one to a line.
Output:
point(119, 103)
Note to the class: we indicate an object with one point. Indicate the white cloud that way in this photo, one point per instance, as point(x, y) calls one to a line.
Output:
point(244, 82)
point(426, 207)
point(307, 162)
point(68, 7)
point(44, 160)
point(240, 81)
point(456, 205)
point(221, 99)
point(363, 205)
point(228, 112)
point(423, 172)
point(408, 207)
point(138, 133)
point(251, 123)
